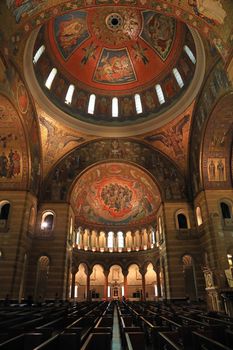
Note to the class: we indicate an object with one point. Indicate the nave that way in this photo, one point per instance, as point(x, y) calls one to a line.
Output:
point(113, 325)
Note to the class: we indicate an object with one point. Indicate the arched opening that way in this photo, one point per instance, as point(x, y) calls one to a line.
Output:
point(199, 216)
point(47, 222)
point(80, 290)
point(4, 214)
point(151, 283)
point(120, 241)
point(226, 211)
point(189, 277)
point(115, 283)
point(97, 282)
point(42, 277)
point(134, 282)
point(32, 220)
point(182, 221)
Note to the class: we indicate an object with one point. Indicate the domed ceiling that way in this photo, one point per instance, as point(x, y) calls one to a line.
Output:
point(120, 52)
point(115, 194)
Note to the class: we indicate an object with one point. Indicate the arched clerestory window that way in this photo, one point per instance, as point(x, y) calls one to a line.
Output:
point(226, 210)
point(4, 214)
point(47, 222)
point(199, 216)
point(181, 220)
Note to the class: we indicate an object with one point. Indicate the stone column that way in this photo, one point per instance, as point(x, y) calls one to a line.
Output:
point(143, 273)
point(73, 284)
point(125, 273)
point(88, 297)
point(157, 271)
point(106, 273)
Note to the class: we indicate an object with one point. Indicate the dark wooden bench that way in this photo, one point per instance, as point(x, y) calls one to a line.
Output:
point(134, 341)
point(200, 342)
point(97, 341)
point(23, 342)
point(169, 341)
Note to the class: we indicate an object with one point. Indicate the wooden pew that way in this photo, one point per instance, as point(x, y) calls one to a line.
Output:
point(134, 341)
point(97, 341)
point(23, 342)
point(169, 341)
point(200, 342)
point(151, 332)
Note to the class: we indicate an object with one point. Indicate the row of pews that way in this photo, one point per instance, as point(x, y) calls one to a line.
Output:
point(175, 327)
point(92, 325)
point(56, 326)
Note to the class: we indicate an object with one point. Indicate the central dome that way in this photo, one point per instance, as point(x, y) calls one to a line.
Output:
point(114, 65)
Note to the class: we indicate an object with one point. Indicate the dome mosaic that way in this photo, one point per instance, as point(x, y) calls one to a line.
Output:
point(114, 66)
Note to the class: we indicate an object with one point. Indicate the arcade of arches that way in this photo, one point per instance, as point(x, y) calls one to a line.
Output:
point(116, 150)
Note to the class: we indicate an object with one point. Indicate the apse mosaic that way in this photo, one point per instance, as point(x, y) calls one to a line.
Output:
point(159, 32)
point(114, 67)
point(70, 32)
point(115, 193)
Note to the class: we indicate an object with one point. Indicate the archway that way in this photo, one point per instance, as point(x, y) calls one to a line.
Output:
point(151, 283)
point(189, 277)
point(80, 290)
point(115, 283)
point(42, 277)
point(97, 282)
point(134, 282)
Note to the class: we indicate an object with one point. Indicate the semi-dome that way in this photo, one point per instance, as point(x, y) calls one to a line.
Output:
point(115, 195)
point(114, 66)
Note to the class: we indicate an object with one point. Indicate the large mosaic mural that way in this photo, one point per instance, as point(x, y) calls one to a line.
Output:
point(115, 193)
point(114, 67)
point(217, 145)
point(13, 148)
point(58, 183)
point(13, 159)
point(211, 17)
point(216, 85)
point(159, 32)
point(70, 32)
point(106, 70)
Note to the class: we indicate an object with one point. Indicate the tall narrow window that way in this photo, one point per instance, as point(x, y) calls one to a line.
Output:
point(178, 77)
point(182, 221)
point(110, 239)
point(226, 214)
point(120, 238)
point(190, 54)
point(153, 236)
point(198, 216)
point(138, 103)
point(160, 94)
point(50, 78)
point(4, 211)
point(47, 221)
point(91, 104)
point(115, 107)
point(69, 95)
point(38, 54)
point(78, 236)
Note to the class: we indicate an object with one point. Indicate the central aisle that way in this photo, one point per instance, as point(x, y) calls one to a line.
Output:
point(116, 338)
